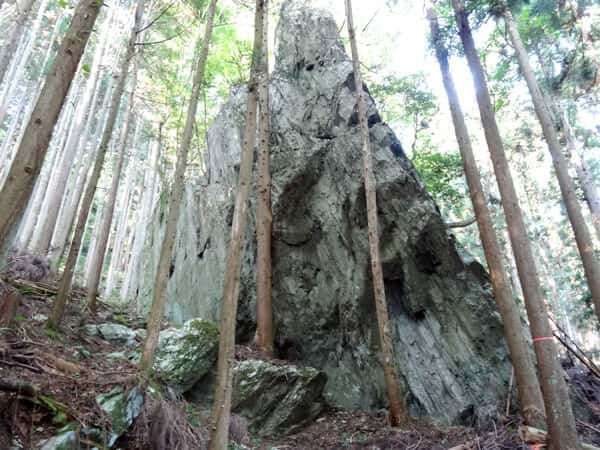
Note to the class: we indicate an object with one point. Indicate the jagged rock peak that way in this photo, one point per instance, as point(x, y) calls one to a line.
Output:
point(301, 34)
point(447, 334)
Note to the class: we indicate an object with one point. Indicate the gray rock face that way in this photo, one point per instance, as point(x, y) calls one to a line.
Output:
point(184, 355)
point(114, 332)
point(122, 408)
point(447, 334)
point(277, 399)
point(64, 441)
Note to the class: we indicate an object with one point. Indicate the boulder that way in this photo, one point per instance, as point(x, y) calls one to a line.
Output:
point(113, 332)
point(68, 440)
point(122, 408)
point(277, 399)
point(447, 334)
point(184, 355)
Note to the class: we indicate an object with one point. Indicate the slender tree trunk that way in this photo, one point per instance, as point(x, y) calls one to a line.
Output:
point(9, 47)
point(43, 236)
point(12, 73)
point(530, 394)
point(567, 187)
point(128, 199)
point(18, 79)
point(33, 210)
point(64, 286)
point(119, 253)
point(9, 303)
point(56, 146)
point(21, 62)
point(588, 185)
point(264, 220)
point(107, 217)
point(221, 409)
point(398, 414)
point(91, 138)
point(116, 147)
point(17, 188)
point(11, 139)
point(144, 217)
point(538, 236)
point(561, 424)
point(25, 109)
point(166, 252)
point(70, 204)
point(92, 227)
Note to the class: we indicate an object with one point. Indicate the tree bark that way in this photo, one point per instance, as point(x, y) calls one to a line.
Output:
point(144, 217)
point(166, 252)
point(9, 303)
point(64, 286)
point(264, 221)
point(32, 215)
point(17, 188)
point(15, 77)
point(584, 174)
point(221, 409)
point(567, 187)
point(93, 281)
point(398, 413)
point(11, 139)
point(9, 47)
point(529, 392)
point(70, 204)
point(18, 73)
point(92, 229)
point(43, 235)
point(123, 233)
point(561, 423)
point(118, 256)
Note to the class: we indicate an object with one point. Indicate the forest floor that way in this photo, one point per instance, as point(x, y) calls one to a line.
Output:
point(49, 379)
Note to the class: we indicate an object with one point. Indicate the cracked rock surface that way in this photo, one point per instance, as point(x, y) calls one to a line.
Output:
point(447, 333)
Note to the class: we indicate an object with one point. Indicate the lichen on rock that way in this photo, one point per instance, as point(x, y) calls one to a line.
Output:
point(122, 408)
point(184, 355)
point(277, 398)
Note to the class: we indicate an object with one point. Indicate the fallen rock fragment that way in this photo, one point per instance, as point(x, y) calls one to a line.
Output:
point(277, 399)
point(184, 355)
point(122, 408)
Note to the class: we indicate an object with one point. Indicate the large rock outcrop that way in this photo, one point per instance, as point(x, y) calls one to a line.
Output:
point(447, 333)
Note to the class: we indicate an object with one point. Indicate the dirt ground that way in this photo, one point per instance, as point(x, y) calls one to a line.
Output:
point(52, 378)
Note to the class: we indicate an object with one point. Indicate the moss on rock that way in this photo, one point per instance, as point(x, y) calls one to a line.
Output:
point(184, 355)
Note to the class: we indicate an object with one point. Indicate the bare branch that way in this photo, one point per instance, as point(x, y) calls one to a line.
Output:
point(462, 223)
point(153, 21)
point(161, 41)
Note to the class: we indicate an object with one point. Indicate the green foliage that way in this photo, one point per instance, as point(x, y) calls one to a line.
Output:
point(170, 61)
point(60, 412)
point(53, 334)
point(406, 99)
point(442, 174)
